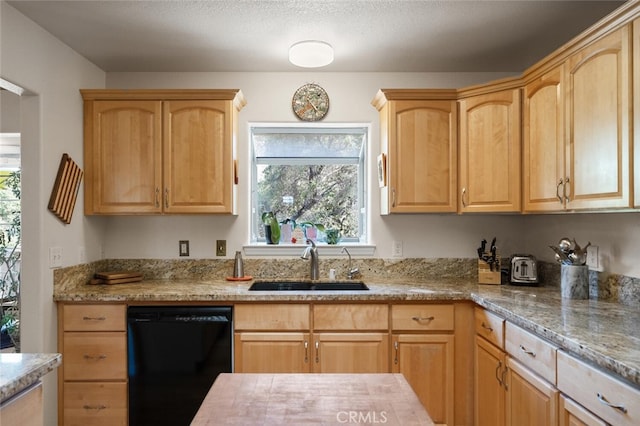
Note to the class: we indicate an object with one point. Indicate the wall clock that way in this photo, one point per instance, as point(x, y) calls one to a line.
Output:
point(310, 102)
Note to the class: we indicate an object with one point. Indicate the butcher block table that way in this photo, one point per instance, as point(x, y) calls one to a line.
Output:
point(306, 399)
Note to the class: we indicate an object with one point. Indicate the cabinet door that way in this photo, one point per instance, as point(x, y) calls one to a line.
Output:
point(198, 157)
point(543, 143)
point(351, 353)
point(422, 156)
point(276, 352)
point(574, 414)
point(426, 361)
point(531, 401)
point(93, 403)
point(490, 152)
point(122, 154)
point(489, 389)
point(598, 105)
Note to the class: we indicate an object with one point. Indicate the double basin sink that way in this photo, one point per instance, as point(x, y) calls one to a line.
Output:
point(308, 286)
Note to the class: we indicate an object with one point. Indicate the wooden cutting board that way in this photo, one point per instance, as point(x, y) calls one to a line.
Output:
point(121, 277)
point(117, 275)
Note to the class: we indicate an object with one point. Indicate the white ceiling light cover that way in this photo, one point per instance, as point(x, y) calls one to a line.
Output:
point(311, 54)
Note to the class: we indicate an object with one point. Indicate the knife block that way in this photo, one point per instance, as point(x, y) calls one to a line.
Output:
point(486, 275)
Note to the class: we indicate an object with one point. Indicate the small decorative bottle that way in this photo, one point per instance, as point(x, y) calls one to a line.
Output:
point(238, 267)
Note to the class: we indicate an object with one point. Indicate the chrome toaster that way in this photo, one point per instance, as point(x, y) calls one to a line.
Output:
point(524, 270)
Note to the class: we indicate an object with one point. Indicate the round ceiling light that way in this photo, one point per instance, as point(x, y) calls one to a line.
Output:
point(311, 54)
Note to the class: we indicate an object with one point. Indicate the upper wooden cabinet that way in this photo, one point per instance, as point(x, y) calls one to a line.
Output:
point(543, 166)
point(490, 152)
point(598, 102)
point(167, 151)
point(419, 138)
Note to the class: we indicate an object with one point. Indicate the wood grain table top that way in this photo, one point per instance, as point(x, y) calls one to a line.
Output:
point(311, 399)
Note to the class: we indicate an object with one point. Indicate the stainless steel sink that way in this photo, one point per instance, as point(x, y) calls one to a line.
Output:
point(308, 286)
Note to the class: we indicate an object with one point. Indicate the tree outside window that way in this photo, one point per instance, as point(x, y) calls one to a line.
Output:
point(311, 175)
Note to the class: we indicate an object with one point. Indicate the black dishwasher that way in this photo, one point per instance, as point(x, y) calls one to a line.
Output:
point(174, 355)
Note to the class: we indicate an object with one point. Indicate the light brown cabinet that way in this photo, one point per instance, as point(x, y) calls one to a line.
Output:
point(489, 155)
point(636, 111)
point(419, 138)
point(272, 338)
point(489, 369)
point(573, 414)
point(152, 152)
point(92, 380)
point(598, 96)
point(543, 166)
point(24, 409)
point(531, 401)
point(423, 347)
point(351, 338)
point(608, 398)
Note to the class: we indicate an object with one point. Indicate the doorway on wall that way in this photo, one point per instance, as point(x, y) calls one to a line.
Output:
point(10, 216)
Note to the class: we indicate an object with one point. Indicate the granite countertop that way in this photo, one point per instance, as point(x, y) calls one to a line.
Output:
point(18, 371)
point(602, 333)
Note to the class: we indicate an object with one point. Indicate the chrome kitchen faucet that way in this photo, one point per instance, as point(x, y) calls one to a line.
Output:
point(312, 251)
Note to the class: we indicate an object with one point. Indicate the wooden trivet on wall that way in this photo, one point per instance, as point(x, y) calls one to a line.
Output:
point(65, 189)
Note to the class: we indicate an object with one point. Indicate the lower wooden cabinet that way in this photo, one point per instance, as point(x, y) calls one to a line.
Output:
point(24, 409)
point(573, 414)
point(426, 361)
point(272, 352)
point(92, 381)
point(95, 403)
point(489, 390)
point(351, 353)
point(531, 401)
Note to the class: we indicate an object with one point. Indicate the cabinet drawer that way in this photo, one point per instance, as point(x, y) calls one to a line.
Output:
point(95, 356)
point(279, 316)
point(95, 404)
point(351, 317)
point(535, 353)
point(574, 414)
point(595, 389)
point(490, 326)
point(94, 317)
point(422, 317)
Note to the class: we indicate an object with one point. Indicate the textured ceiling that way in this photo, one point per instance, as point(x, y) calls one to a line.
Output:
point(367, 35)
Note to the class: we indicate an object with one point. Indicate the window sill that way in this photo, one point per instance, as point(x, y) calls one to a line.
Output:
point(275, 250)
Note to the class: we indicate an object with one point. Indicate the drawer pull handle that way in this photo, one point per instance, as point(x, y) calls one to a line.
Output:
point(306, 351)
point(603, 400)
point(504, 378)
point(497, 371)
point(395, 346)
point(94, 407)
point(98, 357)
point(317, 352)
point(528, 352)
point(93, 318)
point(486, 327)
point(421, 319)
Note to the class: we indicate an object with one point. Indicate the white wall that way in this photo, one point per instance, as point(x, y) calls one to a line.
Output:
point(50, 124)
point(269, 100)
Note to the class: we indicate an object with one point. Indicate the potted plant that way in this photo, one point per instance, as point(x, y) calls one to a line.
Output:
point(271, 228)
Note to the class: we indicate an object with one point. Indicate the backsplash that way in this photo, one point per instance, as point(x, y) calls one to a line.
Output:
point(612, 287)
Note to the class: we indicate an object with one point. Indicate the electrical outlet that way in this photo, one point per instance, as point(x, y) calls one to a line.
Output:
point(184, 247)
point(396, 249)
point(221, 247)
point(55, 257)
point(593, 258)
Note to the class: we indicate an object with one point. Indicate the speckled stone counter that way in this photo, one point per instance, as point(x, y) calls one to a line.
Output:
point(603, 333)
point(21, 370)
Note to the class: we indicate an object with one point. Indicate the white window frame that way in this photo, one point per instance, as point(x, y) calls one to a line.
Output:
point(357, 248)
